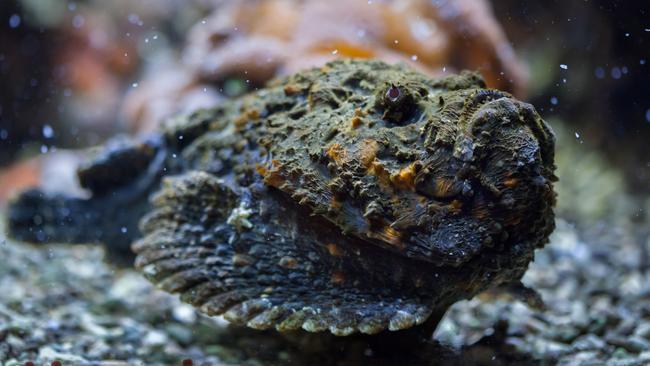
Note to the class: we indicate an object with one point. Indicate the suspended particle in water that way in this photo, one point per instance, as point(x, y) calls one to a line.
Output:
point(78, 21)
point(48, 132)
point(14, 21)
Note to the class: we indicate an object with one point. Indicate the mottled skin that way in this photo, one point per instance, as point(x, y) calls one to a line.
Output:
point(353, 198)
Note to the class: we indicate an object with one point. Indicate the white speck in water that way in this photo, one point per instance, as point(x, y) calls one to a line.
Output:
point(642, 62)
point(155, 36)
point(361, 33)
point(135, 85)
point(180, 137)
point(616, 73)
point(577, 135)
point(203, 21)
point(554, 100)
point(44, 149)
point(78, 21)
point(48, 132)
point(624, 70)
point(369, 2)
point(335, 52)
point(14, 21)
point(647, 29)
point(135, 19)
point(124, 230)
point(444, 69)
point(599, 72)
point(414, 58)
point(174, 156)
point(564, 66)
point(205, 90)
point(146, 40)
point(627, 34)
point(396, 41)
point(564, 80)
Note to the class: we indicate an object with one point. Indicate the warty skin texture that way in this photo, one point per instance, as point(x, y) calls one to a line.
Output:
point(357, 197)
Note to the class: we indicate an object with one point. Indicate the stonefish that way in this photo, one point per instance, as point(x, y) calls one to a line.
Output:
point(356, 197)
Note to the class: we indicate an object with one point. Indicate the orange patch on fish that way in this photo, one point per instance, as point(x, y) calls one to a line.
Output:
point(443, 187)
point(337, 153)
point(338, 277)
point(355, 122)
point(291, 89)
point(405, 178)
point(388, 235)
point(510, 182)
point(273, 176)
point(368, 152)
point(334, 250)
point(246, 116)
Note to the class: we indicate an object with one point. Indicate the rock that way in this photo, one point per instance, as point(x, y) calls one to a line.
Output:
point(154, 338)
point(632, 344)
point(184, 313)
point(180, 333)
point(588, 342)
point(48, 354)
point(643, 330)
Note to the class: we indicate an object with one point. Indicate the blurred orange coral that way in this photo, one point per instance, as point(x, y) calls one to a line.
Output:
point(258, 40)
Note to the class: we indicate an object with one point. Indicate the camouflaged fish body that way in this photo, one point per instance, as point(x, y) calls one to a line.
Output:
point(357, 197)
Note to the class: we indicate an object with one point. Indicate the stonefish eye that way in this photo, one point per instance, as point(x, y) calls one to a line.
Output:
point(393, 93)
